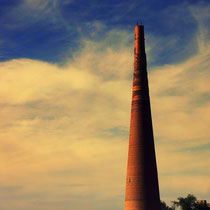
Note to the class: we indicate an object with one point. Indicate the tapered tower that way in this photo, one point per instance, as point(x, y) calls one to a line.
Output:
point(142, 191)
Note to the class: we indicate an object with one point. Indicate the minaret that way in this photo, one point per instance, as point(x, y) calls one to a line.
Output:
point(142, 191)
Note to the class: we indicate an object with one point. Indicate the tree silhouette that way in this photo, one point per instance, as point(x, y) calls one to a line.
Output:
point(202, 207)
point(189, 203)
point(165, 207)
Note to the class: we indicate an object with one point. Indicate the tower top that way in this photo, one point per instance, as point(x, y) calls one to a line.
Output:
point(138, 24)
point(139, 39)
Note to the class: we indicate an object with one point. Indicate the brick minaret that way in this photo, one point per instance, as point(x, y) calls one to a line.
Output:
point(142, 191)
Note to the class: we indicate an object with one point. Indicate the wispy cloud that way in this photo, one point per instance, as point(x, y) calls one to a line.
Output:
point(64, 130)
point(181, 107)
point(55, 126)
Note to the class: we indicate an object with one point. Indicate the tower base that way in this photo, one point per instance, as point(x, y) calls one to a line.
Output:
point(142, 205)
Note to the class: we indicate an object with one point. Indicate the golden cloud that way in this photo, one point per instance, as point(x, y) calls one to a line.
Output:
point(64, 130)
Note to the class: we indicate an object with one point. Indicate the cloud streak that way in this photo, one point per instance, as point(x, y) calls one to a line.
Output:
point(64, 130)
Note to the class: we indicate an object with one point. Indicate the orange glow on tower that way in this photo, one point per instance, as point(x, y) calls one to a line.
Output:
point(142, 190)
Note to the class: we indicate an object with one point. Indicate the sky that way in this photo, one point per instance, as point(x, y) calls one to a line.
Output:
point(66, 83)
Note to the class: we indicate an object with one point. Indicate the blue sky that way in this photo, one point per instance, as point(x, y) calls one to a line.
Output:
point(66, 79)
point(51, 30)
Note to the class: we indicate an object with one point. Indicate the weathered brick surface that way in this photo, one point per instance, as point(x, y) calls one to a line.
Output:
point(142, 191)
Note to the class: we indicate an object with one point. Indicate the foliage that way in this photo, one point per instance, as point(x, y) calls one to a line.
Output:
point(165, 207)
point(202, 207)
point(189, 203)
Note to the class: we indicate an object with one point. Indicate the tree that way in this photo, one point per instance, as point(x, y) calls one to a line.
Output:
point(189, 203)
point(164, 206)
point(202, 207)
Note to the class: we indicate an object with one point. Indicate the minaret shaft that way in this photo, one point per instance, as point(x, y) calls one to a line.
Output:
point(142, 191)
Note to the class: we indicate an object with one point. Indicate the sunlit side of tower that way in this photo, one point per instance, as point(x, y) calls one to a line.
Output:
point(142, 190)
